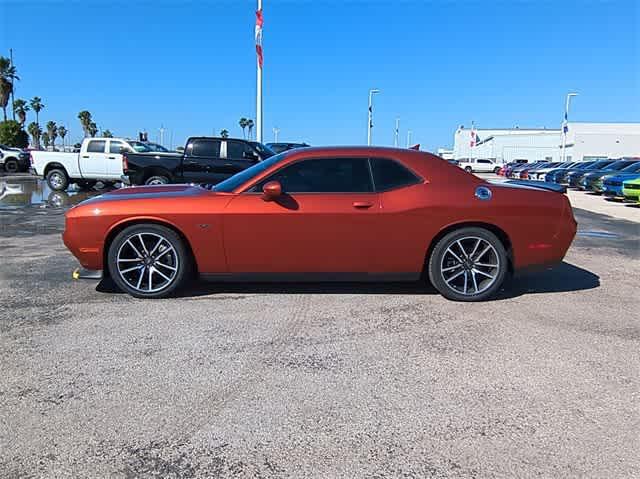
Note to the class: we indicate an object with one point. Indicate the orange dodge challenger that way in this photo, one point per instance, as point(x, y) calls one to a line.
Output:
point(316, 214)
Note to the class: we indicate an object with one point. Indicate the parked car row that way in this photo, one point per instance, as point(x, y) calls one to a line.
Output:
point(109, 160)
point(613, 178)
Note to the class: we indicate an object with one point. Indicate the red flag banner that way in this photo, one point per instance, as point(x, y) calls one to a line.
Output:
point(259, 21)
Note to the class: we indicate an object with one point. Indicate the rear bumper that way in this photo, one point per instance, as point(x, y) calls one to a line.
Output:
point(83, 273)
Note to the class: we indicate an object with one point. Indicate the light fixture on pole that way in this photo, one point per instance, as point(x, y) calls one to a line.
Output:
point(370, 124)
point(565, 125)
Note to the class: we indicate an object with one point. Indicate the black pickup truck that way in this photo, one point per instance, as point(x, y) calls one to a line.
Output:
point(205, 160)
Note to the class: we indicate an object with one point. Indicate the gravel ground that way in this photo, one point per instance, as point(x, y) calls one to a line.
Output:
point(342, 380)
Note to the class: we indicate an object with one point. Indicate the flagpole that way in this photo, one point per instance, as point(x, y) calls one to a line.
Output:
point(259, 73)
point(395, 137)
point(565, 126)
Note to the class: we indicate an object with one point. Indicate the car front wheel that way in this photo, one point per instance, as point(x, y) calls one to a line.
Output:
point(148, 261)
point(11, 166)
point(468, 169)
point(469, 264)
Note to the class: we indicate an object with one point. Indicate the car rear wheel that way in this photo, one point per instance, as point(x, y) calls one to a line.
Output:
point(57, 179)
point(148, 261)
point(469, 264)
point(157, 180)
point(11, 166)
point(496, 170)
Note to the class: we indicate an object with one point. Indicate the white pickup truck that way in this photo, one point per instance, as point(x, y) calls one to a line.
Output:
point(100, 159)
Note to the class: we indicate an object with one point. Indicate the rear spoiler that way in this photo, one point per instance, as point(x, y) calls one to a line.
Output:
point(542, 185)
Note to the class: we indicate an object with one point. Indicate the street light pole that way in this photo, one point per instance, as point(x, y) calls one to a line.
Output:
point(275, 134)
point(565, 125)
point(370, 124)
point(408, 138)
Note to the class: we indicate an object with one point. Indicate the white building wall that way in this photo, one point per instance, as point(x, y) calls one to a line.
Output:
point(608, 140)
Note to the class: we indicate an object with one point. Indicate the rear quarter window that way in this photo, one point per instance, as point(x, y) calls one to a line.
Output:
point(389, 175)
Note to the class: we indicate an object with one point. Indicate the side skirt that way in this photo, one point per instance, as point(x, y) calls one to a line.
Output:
point(309, 277)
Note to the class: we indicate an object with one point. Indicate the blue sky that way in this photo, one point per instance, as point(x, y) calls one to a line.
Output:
point(191, 65)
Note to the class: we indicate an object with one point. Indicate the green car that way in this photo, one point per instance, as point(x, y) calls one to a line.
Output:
point(631, 190)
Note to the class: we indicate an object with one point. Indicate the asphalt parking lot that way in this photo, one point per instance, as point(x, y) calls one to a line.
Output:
point(342, 380)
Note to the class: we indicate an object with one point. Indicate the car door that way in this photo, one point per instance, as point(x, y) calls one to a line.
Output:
point(114, 166)
point(94, 162)
point(484, 166)
point(235, 156)
point(324, 222)
point(201, 158)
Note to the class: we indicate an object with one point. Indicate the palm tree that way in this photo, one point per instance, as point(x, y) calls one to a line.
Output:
point(45, 140)
point(243, 125)
point(20, 108)
point(107, 134)
point(35, 131)
point(52, 132)
point(85, 121)
point(224, 133)
point(37, 106)
point(92, 129)
point(62, 131)
point(250, 126)
point(7, 77)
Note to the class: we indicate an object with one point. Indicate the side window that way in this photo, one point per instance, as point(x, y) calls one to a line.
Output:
point(484, 161)
point(327, 175)
point(96, 146)
point(115, 146)
point(389, 174)
point(210, 148)
point(236, 150)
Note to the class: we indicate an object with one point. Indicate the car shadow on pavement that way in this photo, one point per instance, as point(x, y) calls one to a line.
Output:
point(562, 278)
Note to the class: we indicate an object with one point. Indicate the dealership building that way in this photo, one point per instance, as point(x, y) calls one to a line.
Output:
point(584, 142)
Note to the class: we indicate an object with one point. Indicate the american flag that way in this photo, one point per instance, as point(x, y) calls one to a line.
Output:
point(474, 137)
point(259, 21)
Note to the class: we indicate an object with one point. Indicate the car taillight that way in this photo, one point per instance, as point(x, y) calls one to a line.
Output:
point(125, 162)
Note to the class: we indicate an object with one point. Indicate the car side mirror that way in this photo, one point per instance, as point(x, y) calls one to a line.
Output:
point(271, 190)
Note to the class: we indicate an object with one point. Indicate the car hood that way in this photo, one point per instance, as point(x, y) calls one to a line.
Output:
point(625, 177)
point(149, 192)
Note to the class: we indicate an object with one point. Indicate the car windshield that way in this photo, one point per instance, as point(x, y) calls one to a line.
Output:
point(584, 166)
point(140, 147)
point(599, 164)
point(632, 168)
point(265, 152)
point(230, 184)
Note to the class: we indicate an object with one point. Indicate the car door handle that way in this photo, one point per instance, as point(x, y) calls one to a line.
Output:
point(362, 205)
point(112, 157)
point(228, 164)
point(85, 156)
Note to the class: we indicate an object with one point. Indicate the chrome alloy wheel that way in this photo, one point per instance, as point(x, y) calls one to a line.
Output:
point(57, 180)
point(147, 262)
point(470, 265)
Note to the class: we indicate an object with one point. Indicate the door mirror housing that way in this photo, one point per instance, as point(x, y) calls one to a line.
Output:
point(271, 190)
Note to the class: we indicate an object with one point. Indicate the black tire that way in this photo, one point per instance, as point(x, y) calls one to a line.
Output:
point(157, 180)
point(468, 169)
point(11, 165)
point(86, 184)
point(449, 246)
point(496, 170)
point(57, 179)
point(179, 258)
